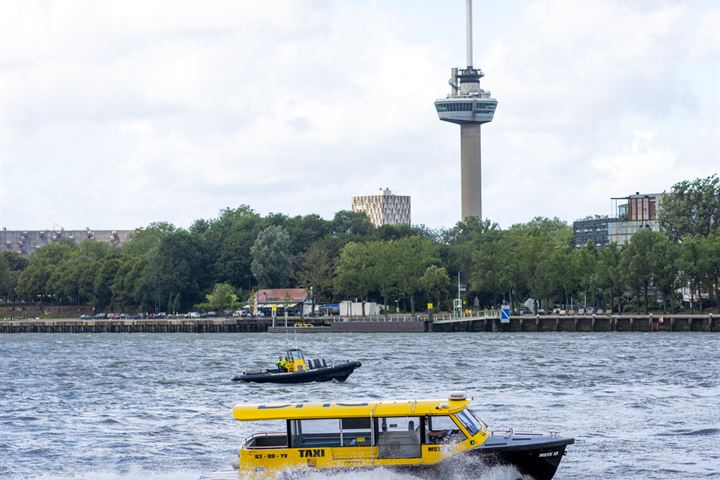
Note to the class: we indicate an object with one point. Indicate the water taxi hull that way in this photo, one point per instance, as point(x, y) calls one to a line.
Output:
point(338, 373)
point(537, 456)
point(532, 454)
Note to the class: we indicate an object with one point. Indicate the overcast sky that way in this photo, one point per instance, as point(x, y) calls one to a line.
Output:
point(117, 114)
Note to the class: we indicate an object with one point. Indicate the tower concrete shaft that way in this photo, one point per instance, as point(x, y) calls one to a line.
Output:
point(470, 171)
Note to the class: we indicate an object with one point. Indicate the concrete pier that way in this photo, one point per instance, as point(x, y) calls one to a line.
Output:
point(525, 323)
point(589, 323)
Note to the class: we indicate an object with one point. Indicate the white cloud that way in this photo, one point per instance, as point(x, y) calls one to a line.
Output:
point(118, 114)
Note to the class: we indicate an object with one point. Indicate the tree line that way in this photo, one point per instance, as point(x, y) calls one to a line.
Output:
point(216, 261)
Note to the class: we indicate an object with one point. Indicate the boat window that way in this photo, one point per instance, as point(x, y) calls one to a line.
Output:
point(295, 355)
point(442, 429)
point(275, 438)
point(468, 422)
point(315, 433)
point(356, 432)
point(477, 419)
point(398, 437)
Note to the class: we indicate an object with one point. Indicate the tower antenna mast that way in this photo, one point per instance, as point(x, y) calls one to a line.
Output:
point(468, 33)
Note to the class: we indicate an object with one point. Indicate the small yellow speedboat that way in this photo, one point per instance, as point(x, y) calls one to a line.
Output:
point(410, 434)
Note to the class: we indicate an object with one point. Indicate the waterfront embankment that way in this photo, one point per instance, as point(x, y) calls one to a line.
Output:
point(526, 323)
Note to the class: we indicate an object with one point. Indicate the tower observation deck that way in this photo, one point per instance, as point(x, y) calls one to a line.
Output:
point(468, 106)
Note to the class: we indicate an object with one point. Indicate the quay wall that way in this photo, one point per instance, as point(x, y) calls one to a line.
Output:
point(527, 323)
point(589, 323)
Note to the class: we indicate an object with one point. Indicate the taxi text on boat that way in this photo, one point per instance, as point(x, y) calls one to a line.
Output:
point(395, 433)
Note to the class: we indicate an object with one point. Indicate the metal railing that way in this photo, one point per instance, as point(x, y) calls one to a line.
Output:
point(379, 318)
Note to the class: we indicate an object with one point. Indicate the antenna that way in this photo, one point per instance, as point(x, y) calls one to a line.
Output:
point(468, 20)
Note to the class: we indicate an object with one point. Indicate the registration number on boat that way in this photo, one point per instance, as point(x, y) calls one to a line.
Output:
point(548, 454)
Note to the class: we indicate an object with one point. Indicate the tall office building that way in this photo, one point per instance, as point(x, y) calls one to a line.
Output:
point(468, 106)
point(384, 208)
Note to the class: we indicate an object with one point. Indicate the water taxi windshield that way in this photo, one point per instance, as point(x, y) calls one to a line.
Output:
point(295, 355)
point(471, 423)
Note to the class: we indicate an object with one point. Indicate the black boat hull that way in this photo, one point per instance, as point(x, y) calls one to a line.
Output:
point(532, 454)
point(338, 373)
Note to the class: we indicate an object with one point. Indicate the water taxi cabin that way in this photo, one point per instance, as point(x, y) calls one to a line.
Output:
point(362, 434)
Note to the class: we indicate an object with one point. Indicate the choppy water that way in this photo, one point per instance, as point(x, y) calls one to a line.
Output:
point(158, 406)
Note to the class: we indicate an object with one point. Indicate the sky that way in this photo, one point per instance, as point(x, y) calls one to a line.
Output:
point(117, 114)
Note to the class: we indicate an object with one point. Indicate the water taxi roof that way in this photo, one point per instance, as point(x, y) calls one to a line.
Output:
point(384, 408)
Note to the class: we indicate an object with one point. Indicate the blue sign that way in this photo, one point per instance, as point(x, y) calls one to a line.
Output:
point(505, 314)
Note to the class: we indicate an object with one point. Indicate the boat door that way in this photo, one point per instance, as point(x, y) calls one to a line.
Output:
point(399, 437)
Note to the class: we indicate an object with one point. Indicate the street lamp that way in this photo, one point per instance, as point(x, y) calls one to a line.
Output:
point(312, 302)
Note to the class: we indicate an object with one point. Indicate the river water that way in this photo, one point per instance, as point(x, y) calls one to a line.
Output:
point(158, 406)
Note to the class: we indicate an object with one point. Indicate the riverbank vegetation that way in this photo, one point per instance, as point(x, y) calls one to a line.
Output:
point(165, 268)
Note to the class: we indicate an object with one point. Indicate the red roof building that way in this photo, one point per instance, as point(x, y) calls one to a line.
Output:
point(269, 297)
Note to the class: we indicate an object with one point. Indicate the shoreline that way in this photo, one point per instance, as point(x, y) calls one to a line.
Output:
point(526, 323)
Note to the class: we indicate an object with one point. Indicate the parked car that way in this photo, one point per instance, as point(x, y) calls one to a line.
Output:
point(86, 316)
point(100, 316)
point(194, 314)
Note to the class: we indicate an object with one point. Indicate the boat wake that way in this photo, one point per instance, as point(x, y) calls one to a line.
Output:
point(461, 468)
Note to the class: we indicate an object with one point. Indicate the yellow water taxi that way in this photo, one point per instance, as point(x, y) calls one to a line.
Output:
point(395, 433)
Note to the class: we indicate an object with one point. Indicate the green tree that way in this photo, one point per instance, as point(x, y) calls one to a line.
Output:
point(230, 238)
point(11, 266)
point(692, 251)
point(306, 231)
point(713, 264)
point(315, 271)
point(388, 269)
point(178, 265)
point(177, 303)
point(586, 261)
point(565, 273)
point(487, 264)
point(413, 255)
point(691, 208)
point(271, 258)
point(354, 272)
point(610, 274)
point(102, 287)
point(40, 281)
point(349, 226)
point(665, 270)
point(435, 282)
point(125, 281)
point(639, 265)
point(223, 297)
point(6, 280)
